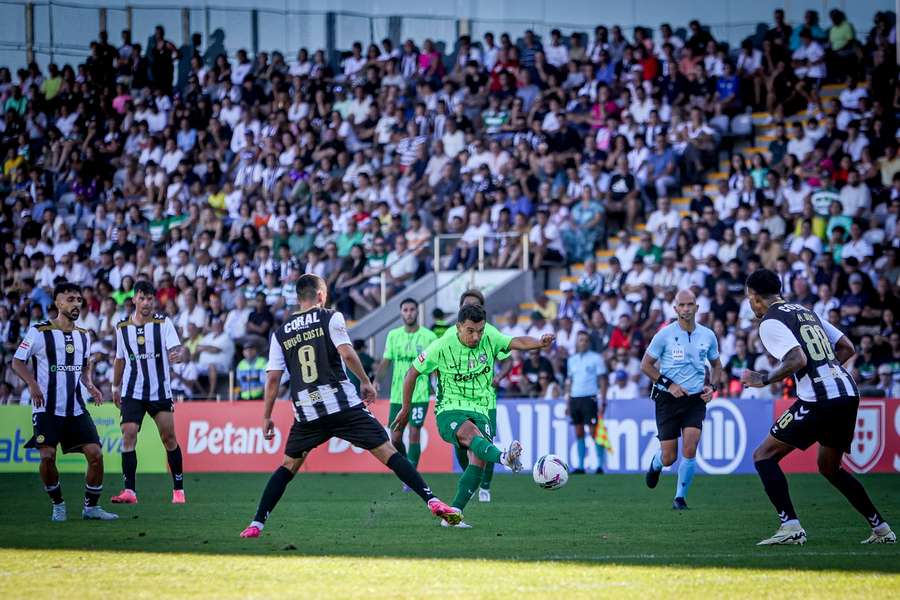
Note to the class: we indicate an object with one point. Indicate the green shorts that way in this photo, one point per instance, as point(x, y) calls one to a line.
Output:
point(417, 412)
point(449, 420)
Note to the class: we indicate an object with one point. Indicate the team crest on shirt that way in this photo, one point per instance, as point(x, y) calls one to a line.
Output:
point(39, 439)
point(482, 358)
point(141, 339)
point(868, 438)
point(70, 348)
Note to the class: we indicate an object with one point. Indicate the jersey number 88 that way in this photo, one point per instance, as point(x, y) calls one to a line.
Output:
point(817, 343)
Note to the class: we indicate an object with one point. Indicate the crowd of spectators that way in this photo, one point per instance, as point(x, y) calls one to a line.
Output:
point(221, 181)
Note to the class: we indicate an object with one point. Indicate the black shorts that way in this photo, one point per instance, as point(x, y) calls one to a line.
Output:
point(583, 410)
point(69, 432)
point(674, 414)
point(356, 426)
point(133, 411)
point(830, 423)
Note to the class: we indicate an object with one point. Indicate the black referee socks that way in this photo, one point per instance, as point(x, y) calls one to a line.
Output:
point(273, 492)
point(776, 486)
point(407, 473)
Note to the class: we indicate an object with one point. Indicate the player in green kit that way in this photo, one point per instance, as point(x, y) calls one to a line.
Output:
point(465, 359)
point(401, 347)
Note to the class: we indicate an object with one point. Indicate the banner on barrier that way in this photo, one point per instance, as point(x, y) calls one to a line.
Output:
point(731, 431)
point(16, 429)
point(229, 437)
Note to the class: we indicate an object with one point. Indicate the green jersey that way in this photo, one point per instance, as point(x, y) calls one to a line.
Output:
point(402, 348)
point(465, 379)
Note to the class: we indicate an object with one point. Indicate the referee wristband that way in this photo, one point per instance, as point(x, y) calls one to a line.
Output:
point(664, 382)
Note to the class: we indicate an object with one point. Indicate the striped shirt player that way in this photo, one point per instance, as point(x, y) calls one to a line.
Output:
point(54, 361)
point(147, 345)
point(813, 351)
point(313, 346)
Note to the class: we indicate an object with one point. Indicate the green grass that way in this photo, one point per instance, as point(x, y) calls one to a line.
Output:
point(358, 536)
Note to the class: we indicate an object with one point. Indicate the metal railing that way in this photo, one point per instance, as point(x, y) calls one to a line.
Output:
point(524, 260)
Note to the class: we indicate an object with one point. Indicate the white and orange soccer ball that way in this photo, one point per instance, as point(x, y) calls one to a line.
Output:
point(550, 472)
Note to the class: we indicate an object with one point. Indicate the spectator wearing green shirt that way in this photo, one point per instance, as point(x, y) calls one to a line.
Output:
point(17, 102)
point(349, 238)
point(50, 86)
point(840, 57)
point(648, 250)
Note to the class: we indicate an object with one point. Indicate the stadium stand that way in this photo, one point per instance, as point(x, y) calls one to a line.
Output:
point(636, 166)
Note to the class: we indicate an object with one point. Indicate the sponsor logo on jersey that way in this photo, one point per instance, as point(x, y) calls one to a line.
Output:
point(65, 368)
point(301, 321)
point(868, 438)
point(462, 377)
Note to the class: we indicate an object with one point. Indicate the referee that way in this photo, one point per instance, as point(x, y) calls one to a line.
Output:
point(58, 368)
point(146, 345)
point(680, 389)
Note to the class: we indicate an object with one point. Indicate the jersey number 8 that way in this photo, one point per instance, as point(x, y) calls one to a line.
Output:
point(817, 343)
point(306, 356)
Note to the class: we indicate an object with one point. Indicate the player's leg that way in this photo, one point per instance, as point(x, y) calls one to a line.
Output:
point(668, 427)
point(132, 416)
point(165, 423)
point(577, 417)
point(470, 434)
point(766, 458)
point(52, 485)
point(484, 490)
point(273, 492)
point(396, 435)
point(416, 421)
point(690, 437)
point(79, 434)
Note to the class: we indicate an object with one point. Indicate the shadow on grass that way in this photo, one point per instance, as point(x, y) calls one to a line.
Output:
point(594, 520)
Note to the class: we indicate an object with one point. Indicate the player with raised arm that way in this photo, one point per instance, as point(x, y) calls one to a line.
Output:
point(146, 345)
point(54, 360)
point(681, 390)
point(814, 352)
point(401, 347)
point(313, 346)
point(464, 358)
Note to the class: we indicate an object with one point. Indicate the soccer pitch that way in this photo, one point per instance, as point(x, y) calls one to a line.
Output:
point(359, 536)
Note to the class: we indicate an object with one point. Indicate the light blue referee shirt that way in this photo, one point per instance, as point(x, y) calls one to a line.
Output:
point(683, 356)
point(583, 370)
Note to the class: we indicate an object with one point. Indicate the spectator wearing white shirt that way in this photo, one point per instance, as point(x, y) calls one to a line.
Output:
point(215, 354)
point(556, 52)
point(857, 246)
point(546, 241)
point(622, 387)
point(827, 302)
point(805, 239)
point(800, 145)
point(663, 222)
point(402, 266)
point(240, 70)
point(705, 246)
point(626, 250)
point(856, 199)
point(809, 59)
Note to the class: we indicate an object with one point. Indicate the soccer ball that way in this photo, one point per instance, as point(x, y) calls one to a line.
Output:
point(550, 472)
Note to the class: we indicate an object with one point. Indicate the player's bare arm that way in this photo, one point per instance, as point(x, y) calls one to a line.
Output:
point(273, 381)
point(844, 350)
point(87, 378)
point(793, 361)
point(409, 386)
point(649, 368)
point(380, 370)
point(118, 370)
point(25, 374)
point(716, 375)
point(351, 359)
point(526, 342)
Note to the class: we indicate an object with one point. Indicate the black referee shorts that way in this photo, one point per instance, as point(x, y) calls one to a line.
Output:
point(71, 433)
point(831, 423)
point(674, 414)
point(356, 425)
point(133, 410)
point(583, 410)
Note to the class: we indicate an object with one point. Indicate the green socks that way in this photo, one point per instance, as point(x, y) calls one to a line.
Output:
point(485, 450)
point(488, 476)
point(413, 453)
point(467, 485)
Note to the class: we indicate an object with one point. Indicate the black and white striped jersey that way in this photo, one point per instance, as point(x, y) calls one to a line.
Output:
point(145, 350)
point(786, 326)
point(57, 358)
point(305, 346)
